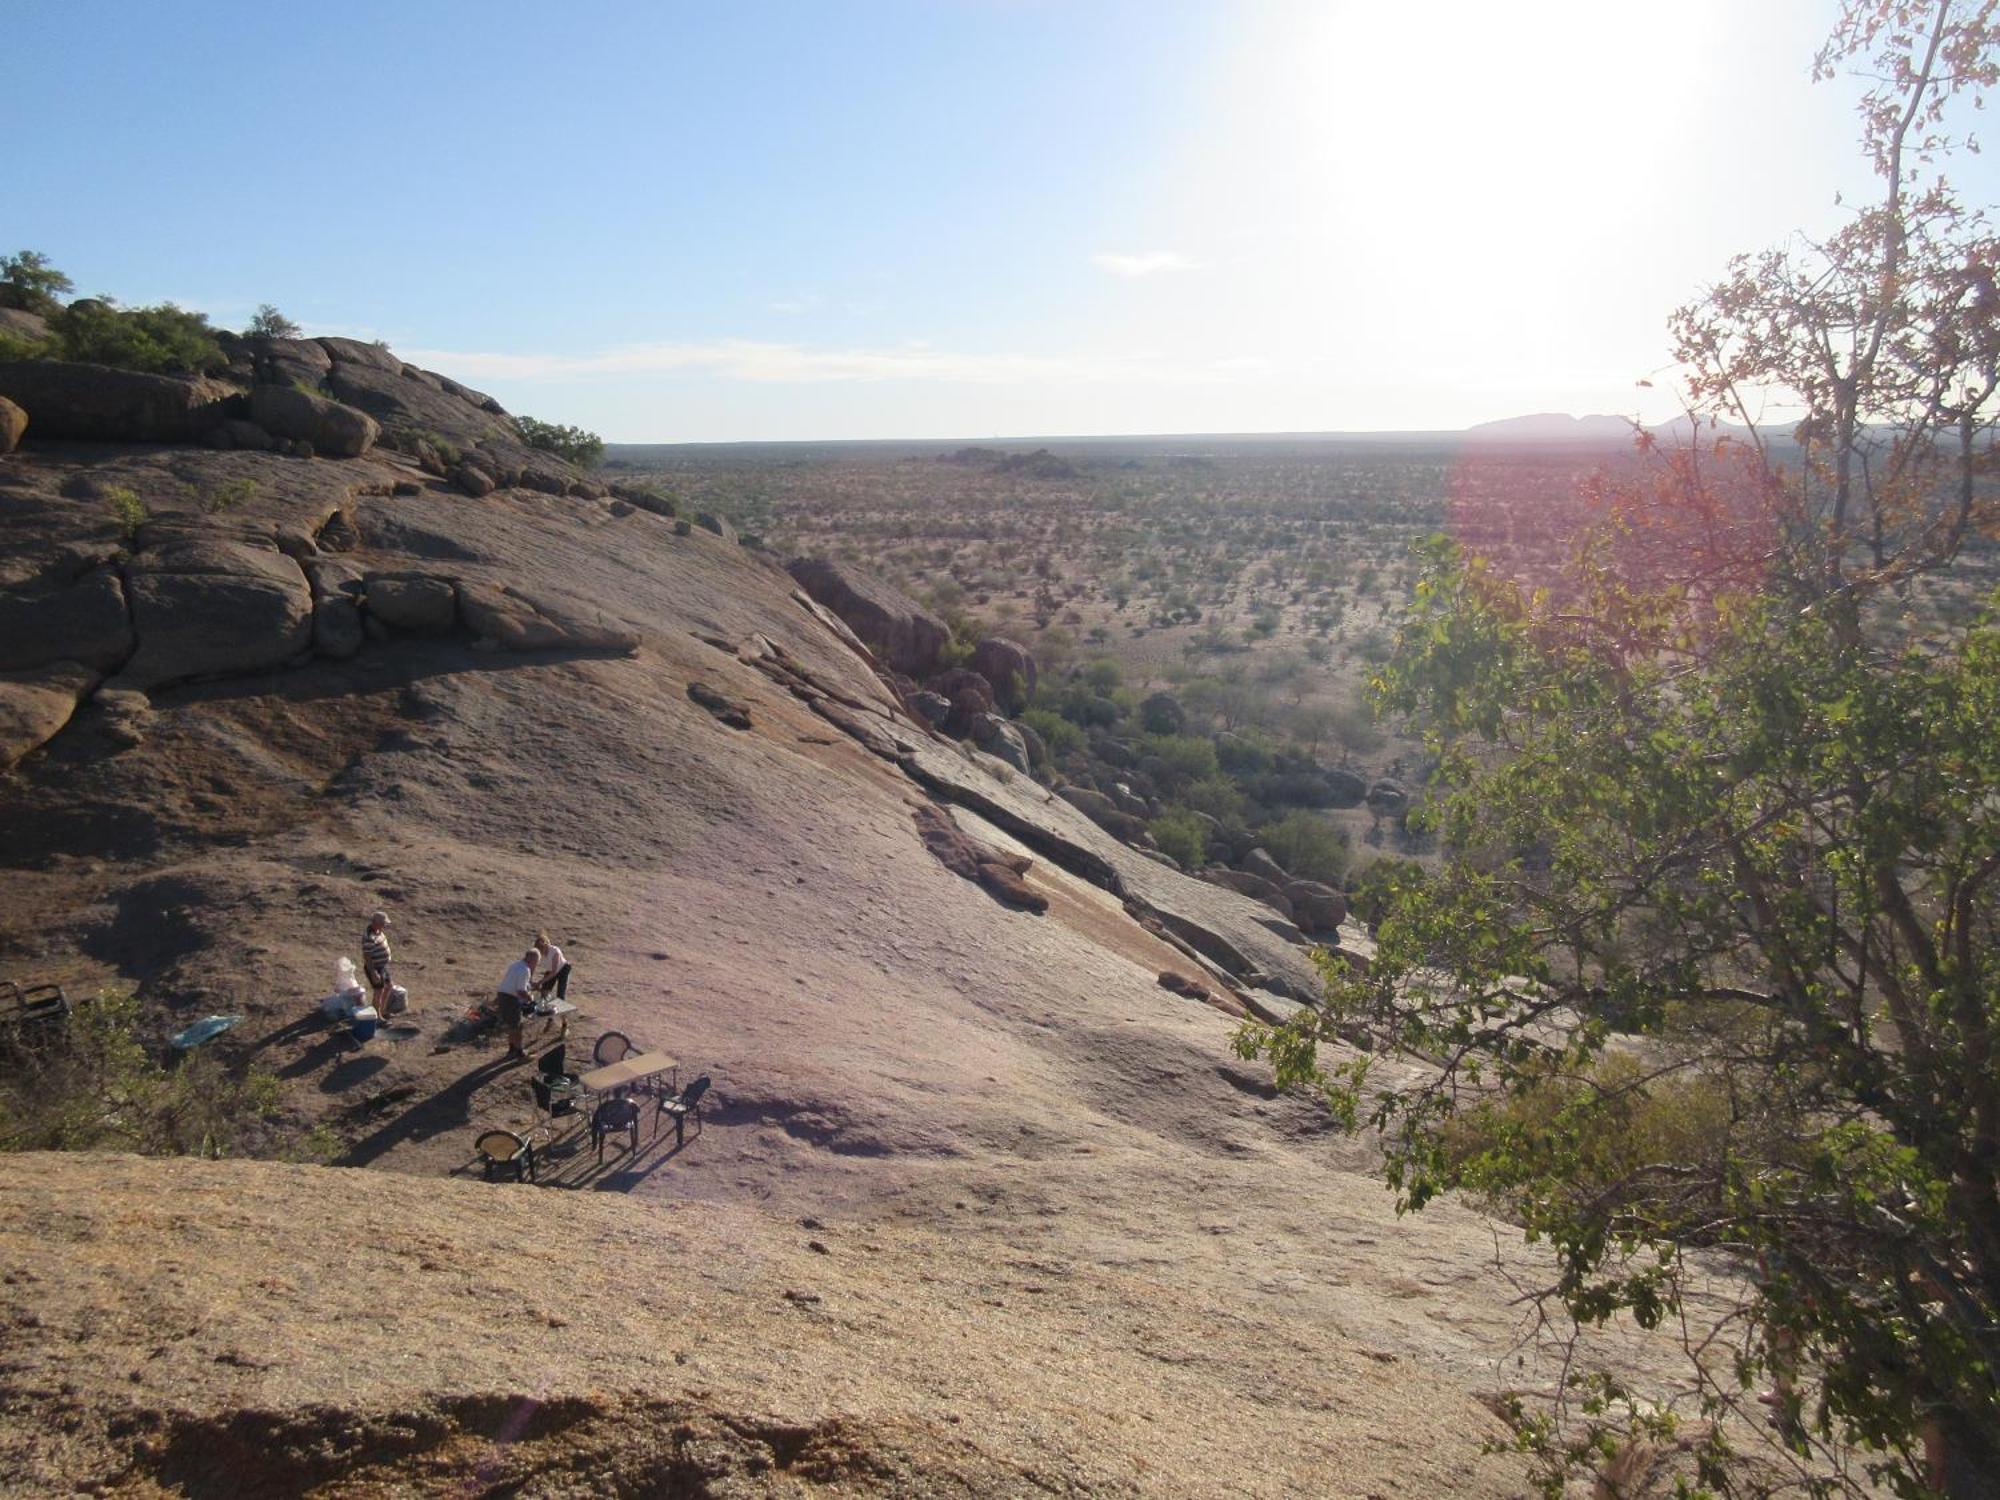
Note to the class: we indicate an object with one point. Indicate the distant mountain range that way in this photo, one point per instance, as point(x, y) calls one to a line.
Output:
point(1554, 427)
point(1596, 431)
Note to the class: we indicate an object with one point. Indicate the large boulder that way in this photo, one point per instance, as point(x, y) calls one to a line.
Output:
point(502, 619)
point(334, 429)
point(996, 736)
point(354, 352)
point(337, 630)
point(1093, 804)
point(34, 705)
point(970, 695)
point(1316, 907)
point(13, 423)
point(708, 520)
point(214, 608)
point(97, 404)
point(907, 637)
point(1344, 787)
point(285, 361)
point(418, 409)
point(1388, 799)
point(83, 622)
point(1258, 862)
point(418, 605)
point(1249, 885)
point(1010, 667)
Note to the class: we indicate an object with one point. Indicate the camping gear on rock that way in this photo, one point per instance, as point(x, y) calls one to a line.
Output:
point(204, 1031)
point(345, 977)
point(399, 1000)
point(363, 1023)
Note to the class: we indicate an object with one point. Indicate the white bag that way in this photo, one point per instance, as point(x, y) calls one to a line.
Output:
point(344, 977)
point(399, 999)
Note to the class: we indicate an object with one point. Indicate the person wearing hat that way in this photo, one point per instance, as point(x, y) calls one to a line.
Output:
point(375, 960)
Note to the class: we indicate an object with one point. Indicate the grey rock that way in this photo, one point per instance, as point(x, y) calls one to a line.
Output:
point(1094, 805)
point(1010, 667)
point(244, 433)
point(1258, 862)
point(932, 708)
point(908, 637)
point(333, 428)
point(1253, 886)
point(996, 736)
point(1388, 799)
point(204, 609)
point(337, 629)
point(514, 622)
point(13, 424)
point(1038, 750)
point(1129, 801)
point(473, 481)
point(355, 352)
point(1316, 907)
point(418, 605)
point(92, 403)
point(85, 622)
point(1345, 788)
point(35, 705)
point(709, 521)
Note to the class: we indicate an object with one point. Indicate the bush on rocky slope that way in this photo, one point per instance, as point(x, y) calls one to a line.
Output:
point(95, 1085)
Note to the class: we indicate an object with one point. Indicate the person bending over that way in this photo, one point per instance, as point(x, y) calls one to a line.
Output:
point(551, 969)
point(513, 998)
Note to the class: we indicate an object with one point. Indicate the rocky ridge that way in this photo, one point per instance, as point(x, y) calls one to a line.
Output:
point(250, 695)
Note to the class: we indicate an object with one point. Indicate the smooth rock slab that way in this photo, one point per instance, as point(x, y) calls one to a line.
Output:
point(84, 622)
point(421, 606)
point(35, 705)
point(214, 609)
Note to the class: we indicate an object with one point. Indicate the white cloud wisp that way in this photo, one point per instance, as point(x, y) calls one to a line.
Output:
point(1147, 263)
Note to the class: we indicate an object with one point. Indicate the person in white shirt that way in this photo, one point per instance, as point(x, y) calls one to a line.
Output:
point(552, 971)
point(513, 998)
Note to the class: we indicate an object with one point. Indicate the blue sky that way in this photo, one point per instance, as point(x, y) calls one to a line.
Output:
point(949, 218)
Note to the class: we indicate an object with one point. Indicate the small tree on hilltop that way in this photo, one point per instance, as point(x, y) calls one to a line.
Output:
point(29, 283)
point(1708, 794)
point(272, 324)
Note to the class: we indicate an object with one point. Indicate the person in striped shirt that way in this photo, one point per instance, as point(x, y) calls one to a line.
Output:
point(375, 960)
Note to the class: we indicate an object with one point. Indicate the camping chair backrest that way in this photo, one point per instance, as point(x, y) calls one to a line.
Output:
point(612, 1047)
point(615, 1114)
point(552, 1061)
point(691, 1095)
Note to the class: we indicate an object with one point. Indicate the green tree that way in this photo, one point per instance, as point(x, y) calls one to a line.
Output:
point(29, 283)
point(584, 449)
point(272, 324)
point(1704, 794)
point(164, 339)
